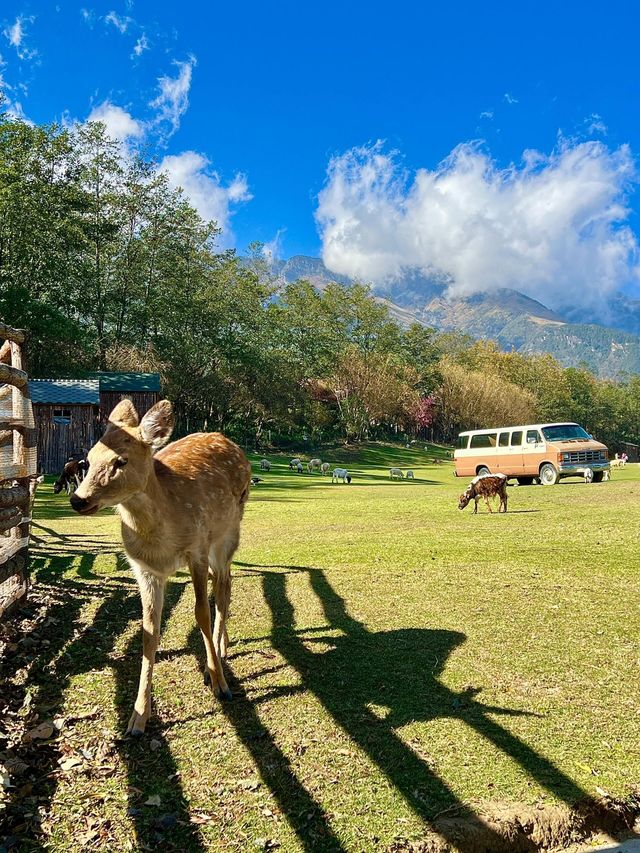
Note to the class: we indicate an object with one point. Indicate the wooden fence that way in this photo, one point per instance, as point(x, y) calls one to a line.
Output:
point(17, 469)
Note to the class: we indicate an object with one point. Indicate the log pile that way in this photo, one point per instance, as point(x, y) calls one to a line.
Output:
point(17, 469)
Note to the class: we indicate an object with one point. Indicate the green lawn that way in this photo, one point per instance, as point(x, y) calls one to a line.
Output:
point(392, 659)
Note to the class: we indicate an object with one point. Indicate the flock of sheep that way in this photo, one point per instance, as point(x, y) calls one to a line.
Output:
point(337, 474)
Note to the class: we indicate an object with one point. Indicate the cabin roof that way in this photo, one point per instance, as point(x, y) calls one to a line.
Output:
point(78, 392)
point(122, 382)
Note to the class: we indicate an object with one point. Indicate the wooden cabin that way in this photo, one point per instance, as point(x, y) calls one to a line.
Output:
point(71, 414)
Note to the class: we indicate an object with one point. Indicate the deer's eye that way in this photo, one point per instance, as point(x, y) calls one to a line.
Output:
point(120, 462)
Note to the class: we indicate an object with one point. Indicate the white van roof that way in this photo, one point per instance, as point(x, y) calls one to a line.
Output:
point(521, 426)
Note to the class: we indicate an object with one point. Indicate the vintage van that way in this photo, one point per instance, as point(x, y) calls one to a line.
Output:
point(547, 452)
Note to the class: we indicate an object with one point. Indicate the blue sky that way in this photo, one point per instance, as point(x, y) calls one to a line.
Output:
point(252, 103)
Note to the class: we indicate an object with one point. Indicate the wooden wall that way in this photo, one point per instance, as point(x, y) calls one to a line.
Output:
point(142, 400)
point(57, 442)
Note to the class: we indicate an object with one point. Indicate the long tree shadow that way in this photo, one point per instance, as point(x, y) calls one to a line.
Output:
point(398, 671)
point(71, 648)
point(152, 773)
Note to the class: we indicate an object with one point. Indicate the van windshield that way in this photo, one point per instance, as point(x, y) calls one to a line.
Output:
point(565, 432)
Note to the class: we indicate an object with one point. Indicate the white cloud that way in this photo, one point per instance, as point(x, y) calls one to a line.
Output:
point(15, 35)
point(140, 46)
point(204, 189)
point(120, 124)
point(510, 98)
point(488, 114)
point(89, 16)
point(273, 249)
point(596, 125)
point(173, 100)
point(554, 228)
point(120, 22)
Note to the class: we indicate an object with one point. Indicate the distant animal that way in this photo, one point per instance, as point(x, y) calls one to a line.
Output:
point(436, 461)
point(409, 475)
point(299, 469)
point(395, 474)
point(325, 468)
point(485, 486)
point(615, 462)
point(340, 474)
point(606, 475)
point(294, 463)
point(588, 475)
point(72, 475)
point(313, 464)
point(265, 465)
point(256, 480)
point(179, 506)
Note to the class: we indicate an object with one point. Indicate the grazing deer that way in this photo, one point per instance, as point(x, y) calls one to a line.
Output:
point(182, 505)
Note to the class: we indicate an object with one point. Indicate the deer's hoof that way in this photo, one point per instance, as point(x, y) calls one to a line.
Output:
point(225, 695)
point(206, 677)
point(136, 725)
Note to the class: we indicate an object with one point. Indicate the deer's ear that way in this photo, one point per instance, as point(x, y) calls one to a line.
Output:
point(124, 414)
point(157, 425)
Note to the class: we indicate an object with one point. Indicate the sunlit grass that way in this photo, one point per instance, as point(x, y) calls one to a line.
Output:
point(392, 658)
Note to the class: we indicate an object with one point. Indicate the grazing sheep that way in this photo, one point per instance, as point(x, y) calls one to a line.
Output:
point(395, 474)
point(313, 464)
point(256, 480)
point(485, 486)
point(294, 464)
point(588, 475)
point(325, 468)
point(340, 474)
point(409, 475)
point(265, 465)
point(299, 469)
point(615, 462)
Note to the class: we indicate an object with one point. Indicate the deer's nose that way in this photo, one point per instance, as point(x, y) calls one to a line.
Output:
point(78, 503)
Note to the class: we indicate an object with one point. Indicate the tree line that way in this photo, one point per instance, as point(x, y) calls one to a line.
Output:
point(110, 268)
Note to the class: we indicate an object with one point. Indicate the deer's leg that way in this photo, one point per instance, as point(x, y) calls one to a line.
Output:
point(486, 500)
point(475, 506)
point(222, 554)
point(152, 595)
point(199, 575)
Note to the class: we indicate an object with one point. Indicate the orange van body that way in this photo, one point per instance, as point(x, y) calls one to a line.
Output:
point(548, 452)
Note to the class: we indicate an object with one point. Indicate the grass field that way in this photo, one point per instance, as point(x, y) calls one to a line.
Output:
point(392, 660)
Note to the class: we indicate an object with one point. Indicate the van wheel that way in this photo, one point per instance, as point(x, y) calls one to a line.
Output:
point(482, 471)
point(525, 481)
point(548, 474)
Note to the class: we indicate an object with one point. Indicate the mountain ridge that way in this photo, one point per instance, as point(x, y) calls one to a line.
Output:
point(511, 318)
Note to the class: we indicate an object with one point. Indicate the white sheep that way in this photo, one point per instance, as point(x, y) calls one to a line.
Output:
point(313, 464)
point(325, 468)
point(409, 475)
point(340, 474)
point(293, 465)
point(395, 474)
point(265, 465)
point(299, 469)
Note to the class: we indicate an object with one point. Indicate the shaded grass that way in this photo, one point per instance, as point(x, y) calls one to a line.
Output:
point(393, 658)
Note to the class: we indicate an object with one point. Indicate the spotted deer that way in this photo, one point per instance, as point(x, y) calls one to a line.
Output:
point(179, 506)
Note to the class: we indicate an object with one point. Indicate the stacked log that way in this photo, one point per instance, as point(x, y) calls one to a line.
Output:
point(17, 469)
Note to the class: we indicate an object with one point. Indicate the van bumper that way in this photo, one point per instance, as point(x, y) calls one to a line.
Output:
point(579, 468)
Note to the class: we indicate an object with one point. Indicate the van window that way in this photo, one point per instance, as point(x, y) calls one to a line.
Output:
point(533, 436)
point(516, 438)
point(463, 441)
point(503, 441)
point(484, 439)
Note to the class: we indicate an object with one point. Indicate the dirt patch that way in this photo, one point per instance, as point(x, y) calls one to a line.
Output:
point(501, 828)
